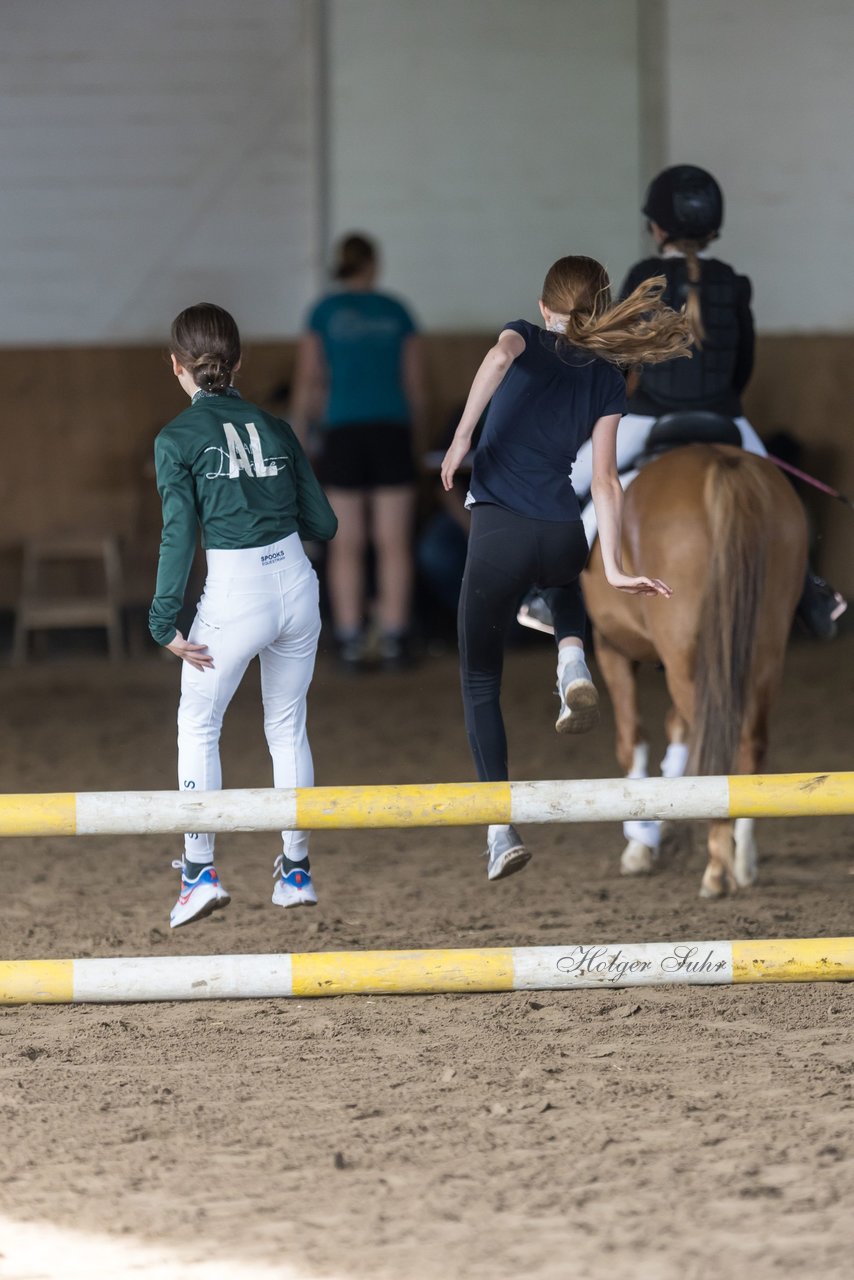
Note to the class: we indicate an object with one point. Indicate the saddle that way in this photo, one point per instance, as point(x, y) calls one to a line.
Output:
point(670, 431)
point(688, 426)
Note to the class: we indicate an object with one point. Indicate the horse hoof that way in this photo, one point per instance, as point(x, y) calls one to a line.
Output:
point(638, 859)
point(718, 887)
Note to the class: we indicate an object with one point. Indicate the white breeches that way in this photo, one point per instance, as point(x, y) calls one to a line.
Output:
point(632, 435)
point(262, 601)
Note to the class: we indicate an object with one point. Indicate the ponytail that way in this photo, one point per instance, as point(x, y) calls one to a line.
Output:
point(693, 308)
point(639, 330)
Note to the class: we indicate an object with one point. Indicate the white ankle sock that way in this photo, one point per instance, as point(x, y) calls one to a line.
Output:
point(569, 656)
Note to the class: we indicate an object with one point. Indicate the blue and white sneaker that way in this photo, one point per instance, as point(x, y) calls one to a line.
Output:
point(198, 897)
point(294, 886)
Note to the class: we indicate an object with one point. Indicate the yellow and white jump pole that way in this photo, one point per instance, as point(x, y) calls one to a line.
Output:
point(339, 973)
point(433, 805)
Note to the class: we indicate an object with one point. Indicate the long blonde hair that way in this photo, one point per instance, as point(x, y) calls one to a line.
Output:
point(639, 330)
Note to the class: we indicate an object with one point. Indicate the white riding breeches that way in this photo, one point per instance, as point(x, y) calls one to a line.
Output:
point(261, 601)
point(632, 435)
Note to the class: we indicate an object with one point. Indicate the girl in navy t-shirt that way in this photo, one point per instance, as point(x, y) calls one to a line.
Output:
point(550, 390)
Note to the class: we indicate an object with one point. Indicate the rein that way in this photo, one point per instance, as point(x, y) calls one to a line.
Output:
point(817, 484)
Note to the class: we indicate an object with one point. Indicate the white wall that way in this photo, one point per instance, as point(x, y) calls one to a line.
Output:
point(761, 94)
point(157, 152)
point(154, 153)
point(479, 140)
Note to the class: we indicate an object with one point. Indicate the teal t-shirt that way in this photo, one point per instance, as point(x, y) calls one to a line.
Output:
point(363, 334)
point(227, 466)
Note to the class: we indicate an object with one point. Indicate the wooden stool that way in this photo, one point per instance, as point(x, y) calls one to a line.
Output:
point(41, 608)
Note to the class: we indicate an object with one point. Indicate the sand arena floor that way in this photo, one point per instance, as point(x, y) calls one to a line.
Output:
point(674, 1134)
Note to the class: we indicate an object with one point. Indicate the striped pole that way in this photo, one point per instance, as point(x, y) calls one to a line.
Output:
point(435, 805)
point(339, 973)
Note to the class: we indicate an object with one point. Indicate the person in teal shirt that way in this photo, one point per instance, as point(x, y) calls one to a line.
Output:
point(360, 378)
point(240, 474)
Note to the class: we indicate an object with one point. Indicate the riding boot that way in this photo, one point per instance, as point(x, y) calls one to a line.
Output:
point(820, 607)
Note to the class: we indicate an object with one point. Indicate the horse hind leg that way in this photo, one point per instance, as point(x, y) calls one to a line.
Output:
point(746, 868)
point(733, 858)
point(719, 876)
point(733, 854)
point(751, 759)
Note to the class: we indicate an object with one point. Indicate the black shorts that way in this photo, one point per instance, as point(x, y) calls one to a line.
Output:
point(366, 455)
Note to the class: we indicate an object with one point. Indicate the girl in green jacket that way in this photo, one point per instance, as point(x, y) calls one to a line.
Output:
point(228, 466)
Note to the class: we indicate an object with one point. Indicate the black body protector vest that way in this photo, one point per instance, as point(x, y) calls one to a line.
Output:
point(717, 372)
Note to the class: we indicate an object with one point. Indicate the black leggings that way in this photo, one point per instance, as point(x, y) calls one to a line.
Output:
point(507, 554)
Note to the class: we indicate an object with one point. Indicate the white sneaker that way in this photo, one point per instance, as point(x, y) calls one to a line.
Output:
point(505, 852)
point(294, 887)
point(579, 701)
point(198, 897)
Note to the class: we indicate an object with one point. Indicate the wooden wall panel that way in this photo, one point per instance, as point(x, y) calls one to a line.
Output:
point(78, 434)
point(805, 383)
point(80, 422)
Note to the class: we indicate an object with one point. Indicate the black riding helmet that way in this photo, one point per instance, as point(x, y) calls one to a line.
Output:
point(686, 202)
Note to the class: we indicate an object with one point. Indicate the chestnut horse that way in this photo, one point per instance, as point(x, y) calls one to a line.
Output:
point(727, 532)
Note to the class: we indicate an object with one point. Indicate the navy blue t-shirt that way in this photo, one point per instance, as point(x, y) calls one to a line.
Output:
point(547, 406)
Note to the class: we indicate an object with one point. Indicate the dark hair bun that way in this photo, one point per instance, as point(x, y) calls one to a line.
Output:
point(353, 255)
point(212, 373)
point(206, 341)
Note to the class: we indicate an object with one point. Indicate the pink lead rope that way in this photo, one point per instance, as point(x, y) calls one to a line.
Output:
point(817, 484)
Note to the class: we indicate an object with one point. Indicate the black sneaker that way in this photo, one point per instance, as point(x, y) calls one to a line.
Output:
point(820, 607)
point(395, 652)
point(352, 655)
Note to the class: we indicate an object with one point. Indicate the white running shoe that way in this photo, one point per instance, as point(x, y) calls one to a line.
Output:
point(579, 701)
point(505, 852)
point(294, 886)
point(198, 897)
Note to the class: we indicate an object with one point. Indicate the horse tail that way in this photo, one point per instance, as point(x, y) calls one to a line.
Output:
point(737, 502)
